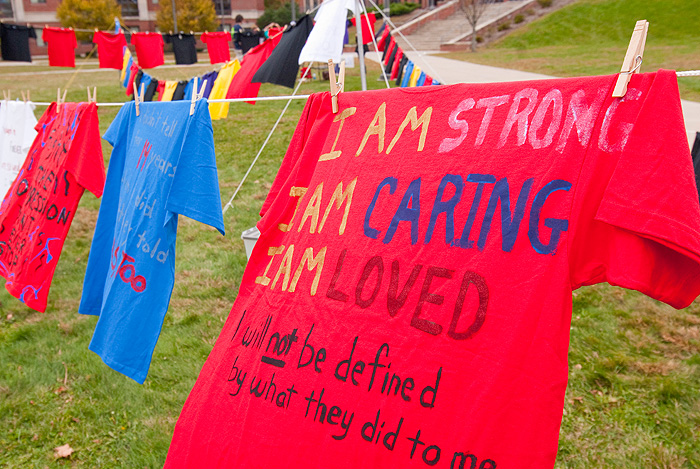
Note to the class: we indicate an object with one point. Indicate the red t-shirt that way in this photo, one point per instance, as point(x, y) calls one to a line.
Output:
point(241, 86)
point(149, 49)
point(367, 29)
point(62, 45)
point(133, 70)
point(217, 46)
point(397, 63)
point(64, 160)
point(110, 49)
point(408, 303)
point(382, 39)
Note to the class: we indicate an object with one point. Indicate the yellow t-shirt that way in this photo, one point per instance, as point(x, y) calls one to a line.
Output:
point(220, 88)
point(125, 62)
point(168, 90)
point(414, 76)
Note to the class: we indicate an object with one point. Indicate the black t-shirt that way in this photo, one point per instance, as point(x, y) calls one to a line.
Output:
point(695, 152)
point(15, 42)
point(249, 39)
point(183, 48)
point(390, 63)
point(402, 64)
point(282, 66)
point(179, 92)
point(150, 90)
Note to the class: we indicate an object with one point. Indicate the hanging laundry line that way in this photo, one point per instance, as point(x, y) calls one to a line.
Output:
point(232, 100)
point(685, 73)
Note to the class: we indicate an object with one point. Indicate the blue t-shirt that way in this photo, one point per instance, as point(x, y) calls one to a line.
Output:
point(163, 164)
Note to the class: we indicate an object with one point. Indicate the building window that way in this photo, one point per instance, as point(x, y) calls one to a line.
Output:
point(129, 7)
point(223, 7)
point(37, 1)
point(6, 9)
point(39, 34)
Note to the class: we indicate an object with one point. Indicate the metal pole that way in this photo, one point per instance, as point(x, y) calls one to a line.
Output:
point(174, 16)
point(386, 7)
point(294, 10)
point(360, 45)
point(221, 7)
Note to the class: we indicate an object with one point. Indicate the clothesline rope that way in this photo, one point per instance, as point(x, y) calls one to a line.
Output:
point(232, 100)
point(686, 73)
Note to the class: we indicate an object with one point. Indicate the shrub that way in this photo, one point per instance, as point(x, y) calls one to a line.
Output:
point(479, 39)
point(504, 26)
point(275, 13)
point(518, 19)
point(397, 9)
point(545, 3)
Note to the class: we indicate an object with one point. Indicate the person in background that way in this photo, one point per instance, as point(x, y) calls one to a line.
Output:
point(237, 30)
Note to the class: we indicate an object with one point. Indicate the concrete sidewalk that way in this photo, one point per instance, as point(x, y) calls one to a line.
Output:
point(449, 71)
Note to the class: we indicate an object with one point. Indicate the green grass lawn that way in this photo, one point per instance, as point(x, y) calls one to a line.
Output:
point(590, 37)
point(634, 392)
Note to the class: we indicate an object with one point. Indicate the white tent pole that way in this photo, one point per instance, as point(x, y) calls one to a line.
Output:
point(360, 45)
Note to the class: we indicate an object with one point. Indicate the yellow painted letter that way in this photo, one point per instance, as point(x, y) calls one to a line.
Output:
point(312, 263)
point(333, 154)
point(412, 118)
point(339, 197)
point(376, 127)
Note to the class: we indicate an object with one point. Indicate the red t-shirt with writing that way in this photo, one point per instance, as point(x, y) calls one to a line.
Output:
point(149, 49)
point(217, 46)
point(64, 160)
point(408, 302)
point(110, 49)
point(62, 45)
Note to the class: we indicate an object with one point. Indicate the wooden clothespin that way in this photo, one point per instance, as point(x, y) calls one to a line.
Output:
point(26, 97)
point(6, 95)
point(92, 98)
point(336, 86)
point(60, 100)
point(197, 94)
point(138, 97)
point(633, 58)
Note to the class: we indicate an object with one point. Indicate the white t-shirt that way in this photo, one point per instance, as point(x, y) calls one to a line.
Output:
point(17, 133)
point(326, 39)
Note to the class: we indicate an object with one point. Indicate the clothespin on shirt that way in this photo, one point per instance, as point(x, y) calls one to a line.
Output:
point(336, 86)
point(6, 95)
point(26, 97)
point(197, 94)
point(138, 97)
point(633, 58)
point(92, 98)
point(60, 100)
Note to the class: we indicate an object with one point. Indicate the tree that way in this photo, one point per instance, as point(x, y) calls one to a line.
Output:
point(473, 9)
point(88, 14)
point(192, 15)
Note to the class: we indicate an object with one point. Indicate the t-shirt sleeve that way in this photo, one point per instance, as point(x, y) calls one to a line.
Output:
point(642, 229)
point(292, 163)
point(195, 188)
point(85, 160)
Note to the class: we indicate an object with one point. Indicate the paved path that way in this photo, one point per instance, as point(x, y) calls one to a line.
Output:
point(451, 71)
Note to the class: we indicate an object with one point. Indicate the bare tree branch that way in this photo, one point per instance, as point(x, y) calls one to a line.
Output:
point(473, 10)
